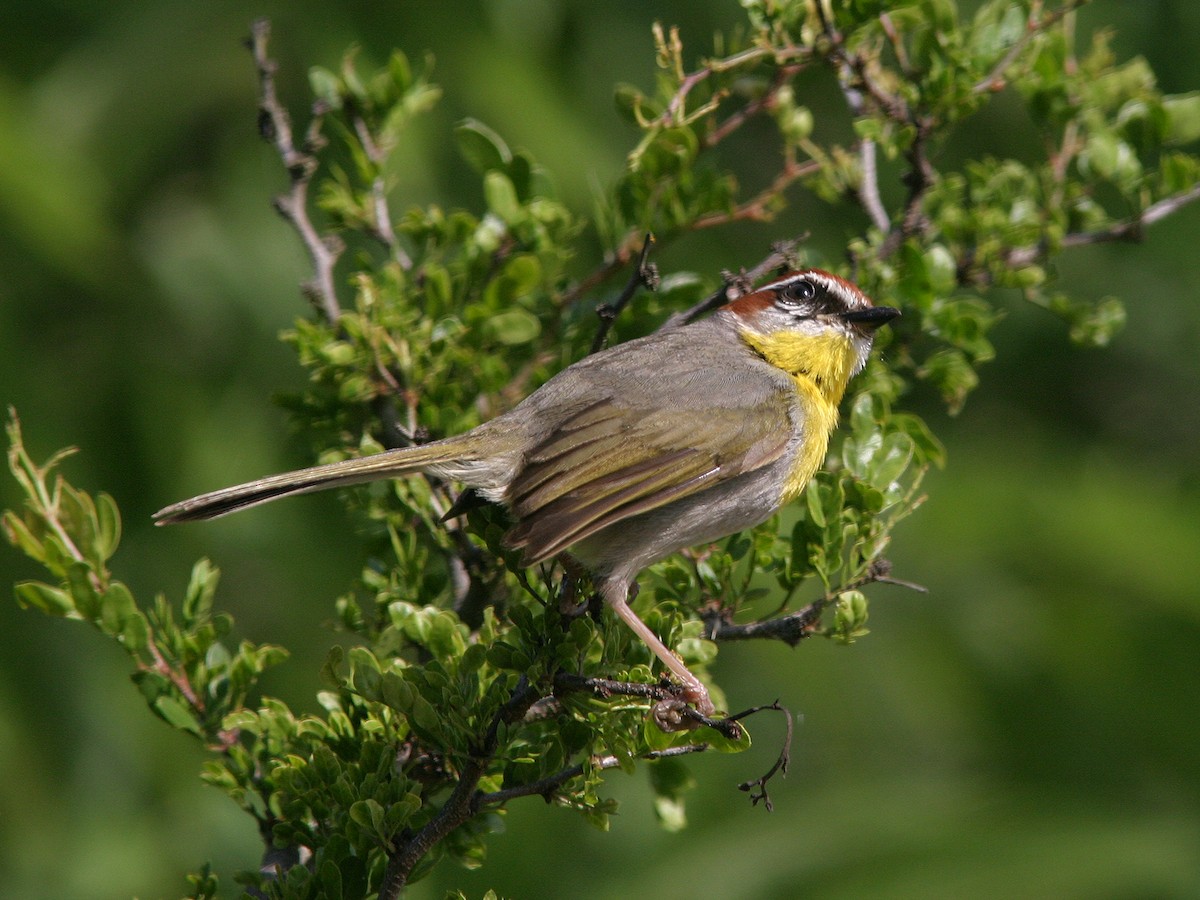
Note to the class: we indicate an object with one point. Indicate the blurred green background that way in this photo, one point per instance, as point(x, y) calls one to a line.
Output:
point(1030, 728)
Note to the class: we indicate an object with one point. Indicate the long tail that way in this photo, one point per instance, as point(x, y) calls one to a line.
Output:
point(389, 464)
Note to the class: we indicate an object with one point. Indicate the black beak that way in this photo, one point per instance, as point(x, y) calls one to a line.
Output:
point(872, 317)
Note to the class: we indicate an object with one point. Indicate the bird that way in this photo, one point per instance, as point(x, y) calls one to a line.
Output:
point(661, 443)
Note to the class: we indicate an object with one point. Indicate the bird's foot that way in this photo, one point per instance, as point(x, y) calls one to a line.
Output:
point(690, 708)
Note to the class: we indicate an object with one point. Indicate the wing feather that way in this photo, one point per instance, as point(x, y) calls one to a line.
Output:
point(609, 463)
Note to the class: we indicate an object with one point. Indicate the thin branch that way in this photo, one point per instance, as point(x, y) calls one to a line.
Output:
point(1131, 229)
point(856, 80)
point(795, 627)
point(781, 762)
point(547, 787)
point(643, 275)
point(1035, 24)
point(382, 226)
point(757, 208)
point(275, 125)
point(669, 711)
point(460, 805)
point(764, 101)
point(868, 190)
point(782, 253)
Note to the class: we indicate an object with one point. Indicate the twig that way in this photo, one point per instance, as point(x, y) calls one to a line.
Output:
point(994, 80)
point(764, 101)
point(781, 254)
point(548, 786)
point(781, 762)
point(460, 805)
point(382, 227)
point(275, 125)
point(868, 190)
point(669, 711)
point(795, 627)
point(642, 274)
point(757, 208)
point(1126, 230)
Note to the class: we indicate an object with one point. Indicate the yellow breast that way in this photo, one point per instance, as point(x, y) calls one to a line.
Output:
point(820, 366)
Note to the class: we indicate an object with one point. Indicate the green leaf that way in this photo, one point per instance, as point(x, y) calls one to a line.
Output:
point(108, 531)
point(891, 460)
point(175, 714)
point(501, 196)
point(326, 86)
point(941, 269)
point(198, 599)
point(50, 600)
point(481, 147)
point(514, 327)
point(83, 591)
point(1183, 117)
point(20, 536)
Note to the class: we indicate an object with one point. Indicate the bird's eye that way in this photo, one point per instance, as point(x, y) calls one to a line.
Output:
point(800, 291)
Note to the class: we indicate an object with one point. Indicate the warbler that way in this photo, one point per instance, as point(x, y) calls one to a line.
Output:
point(661, 443)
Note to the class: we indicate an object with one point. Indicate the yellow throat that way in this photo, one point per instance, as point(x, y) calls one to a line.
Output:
point(820, 366)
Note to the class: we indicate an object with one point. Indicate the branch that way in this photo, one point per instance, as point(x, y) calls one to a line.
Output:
point(644, 275)
point(757, 208)
point(868, 190)
point(382, 227)
point(782, 253)
point(275, 125)
point(669, 712)
point(460, 805)
point(994, 80)
point(1126, 230)
point(466, 800)
point(546, 787)
point(781, 762)
point(764, 101)
point(795, 627)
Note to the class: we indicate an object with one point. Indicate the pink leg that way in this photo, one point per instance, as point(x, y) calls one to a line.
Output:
point(615, 594)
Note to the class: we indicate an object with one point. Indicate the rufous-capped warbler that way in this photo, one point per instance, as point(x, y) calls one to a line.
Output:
point(633, 453)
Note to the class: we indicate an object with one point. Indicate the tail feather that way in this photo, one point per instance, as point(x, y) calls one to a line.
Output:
point(389, 464)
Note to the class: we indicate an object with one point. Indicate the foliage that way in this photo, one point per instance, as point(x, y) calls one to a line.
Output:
point(465, 687)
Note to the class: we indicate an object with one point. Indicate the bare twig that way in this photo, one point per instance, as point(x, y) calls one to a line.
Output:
point(548, 786)
point(868, 189)
point(276, 126)
point(765, 101)
point(460, 805)
point(758, 207)
point(644, 275)
point(1036, 23)
point(795, 627)
point(781, 254)
point(781, 762)
point(1131, 229)
point(382, 226)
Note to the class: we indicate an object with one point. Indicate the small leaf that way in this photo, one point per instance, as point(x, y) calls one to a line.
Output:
point(514, 326)
point(326, 86)
point(108, 531)
point(198, 599)
point(481, 147)
point(21, 537)
point(50, 600)
point(941, 269)
point(175, 714)
point(1183, 117)
point(501, 196)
